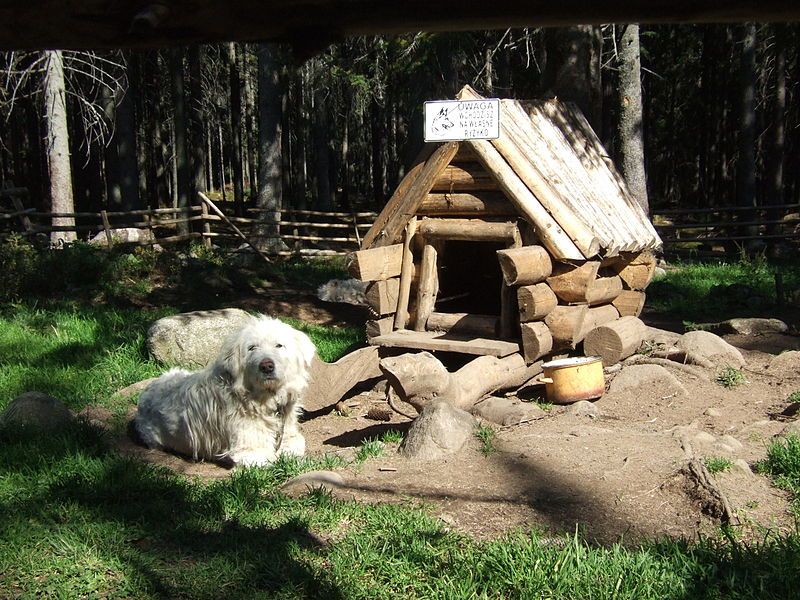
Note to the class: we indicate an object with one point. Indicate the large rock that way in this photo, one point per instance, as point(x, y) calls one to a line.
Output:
point(643, 378)
point(751, 326)
point(36, 410)
point(193, 339)
point(123, 235)
point(439, 431)
point(786, 364)
point(706, 345)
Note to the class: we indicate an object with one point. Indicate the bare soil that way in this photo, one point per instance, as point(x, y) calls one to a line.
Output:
point(615, 476)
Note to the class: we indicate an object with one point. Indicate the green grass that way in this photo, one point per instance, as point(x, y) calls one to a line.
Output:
point(717, 464)
point(794, 397)
point(332, 342)
point(730, 377)
point(371, 448)
point(81, 521)
point(783, 465)
point(392, 436)
point(83, 355)
point(486, 434)
point(687, 290)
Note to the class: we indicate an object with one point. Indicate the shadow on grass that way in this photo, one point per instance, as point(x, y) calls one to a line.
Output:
point(170, 536)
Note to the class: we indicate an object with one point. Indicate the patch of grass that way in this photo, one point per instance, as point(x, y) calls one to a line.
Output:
point(81, 356)
point(332, 342)
point(730, 377)
point(392, 436)
point(794, 397)
point(783, 465)
point(81, 521)
point(486, 434)
point(311, 272)
point(695, 292)
point(371, 448)
point(717, 464)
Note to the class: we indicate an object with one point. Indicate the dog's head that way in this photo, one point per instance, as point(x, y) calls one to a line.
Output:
point(267, 356)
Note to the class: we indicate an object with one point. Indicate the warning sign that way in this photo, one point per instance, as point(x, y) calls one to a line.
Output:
point(452, 120)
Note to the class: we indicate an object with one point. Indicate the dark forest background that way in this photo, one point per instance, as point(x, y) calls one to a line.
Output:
point(265, 125)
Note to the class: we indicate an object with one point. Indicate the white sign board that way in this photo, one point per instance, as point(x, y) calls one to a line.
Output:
point(453, 120)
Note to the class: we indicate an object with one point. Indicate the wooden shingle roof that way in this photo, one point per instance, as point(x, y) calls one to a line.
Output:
point(554, 170)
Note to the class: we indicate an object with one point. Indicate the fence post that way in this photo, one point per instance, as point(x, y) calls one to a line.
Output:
point(206, 225)
point(107, 228)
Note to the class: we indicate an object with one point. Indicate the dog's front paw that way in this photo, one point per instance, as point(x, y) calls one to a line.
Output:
point(253, 458)
point(293, 445)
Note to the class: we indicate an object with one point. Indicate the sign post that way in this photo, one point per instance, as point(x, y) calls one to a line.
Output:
point(456, 120)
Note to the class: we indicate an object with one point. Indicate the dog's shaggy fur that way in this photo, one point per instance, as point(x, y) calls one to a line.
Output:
point(242, 407)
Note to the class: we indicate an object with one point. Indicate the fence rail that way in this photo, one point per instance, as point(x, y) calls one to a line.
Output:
point(719, 230)
point(713, 231)
point(302, 231)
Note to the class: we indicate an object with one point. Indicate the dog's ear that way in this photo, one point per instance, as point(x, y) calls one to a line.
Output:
point(305, 348)
point(229, 363)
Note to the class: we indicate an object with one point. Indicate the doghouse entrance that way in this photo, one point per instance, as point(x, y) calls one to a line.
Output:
point(470, 279)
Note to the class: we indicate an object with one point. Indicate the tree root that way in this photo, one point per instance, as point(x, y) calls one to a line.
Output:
point(638, 359)
point(707, 492)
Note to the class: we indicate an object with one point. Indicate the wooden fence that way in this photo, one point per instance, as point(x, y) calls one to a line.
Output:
point(720, 230)
point(302, 231)
point(694, 231)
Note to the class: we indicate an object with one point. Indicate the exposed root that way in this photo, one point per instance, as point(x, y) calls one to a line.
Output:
point(713, 501)
point(390, 399)
point(638, 359)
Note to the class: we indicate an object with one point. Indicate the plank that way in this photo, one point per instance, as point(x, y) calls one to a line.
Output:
point(377, 264)
point(445, 342)
point(388, 227)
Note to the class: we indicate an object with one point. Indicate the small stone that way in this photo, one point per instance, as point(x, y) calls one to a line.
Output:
point(703, 437)
point(706, 345)
point(731, 442)
point(584, 408)
point(713, 412)
point(193, 339)
point(740, 466)
point(313, 480)
point(792, 428)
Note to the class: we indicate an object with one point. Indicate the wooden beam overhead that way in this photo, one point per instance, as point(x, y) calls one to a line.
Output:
point(310, 25)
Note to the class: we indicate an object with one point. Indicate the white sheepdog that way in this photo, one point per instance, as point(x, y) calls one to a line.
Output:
point(242, 407)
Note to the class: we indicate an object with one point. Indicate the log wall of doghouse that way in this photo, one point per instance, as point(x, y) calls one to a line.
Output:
point(546, 305)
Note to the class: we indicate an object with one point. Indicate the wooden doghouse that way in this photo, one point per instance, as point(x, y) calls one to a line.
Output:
point(525, 243)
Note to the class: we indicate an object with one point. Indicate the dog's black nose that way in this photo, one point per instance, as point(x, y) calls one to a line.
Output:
point(266, 366)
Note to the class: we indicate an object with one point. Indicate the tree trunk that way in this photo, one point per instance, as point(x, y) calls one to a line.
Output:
point(631, 139)
point(746, 167)
point(774, 174)
point(183, 175)
point(125, 141)
point(270, 163)
point(250, 125)
point(321, 152)
point(198, 140)
point(236, 131)
point(57, 146)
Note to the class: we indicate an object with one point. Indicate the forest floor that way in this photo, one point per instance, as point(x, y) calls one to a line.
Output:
point(616, 476)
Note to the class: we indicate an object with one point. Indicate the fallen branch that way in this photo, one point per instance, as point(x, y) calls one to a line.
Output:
point(236, 230)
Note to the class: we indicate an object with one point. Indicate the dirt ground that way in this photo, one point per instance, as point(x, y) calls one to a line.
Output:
point(616, 476)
